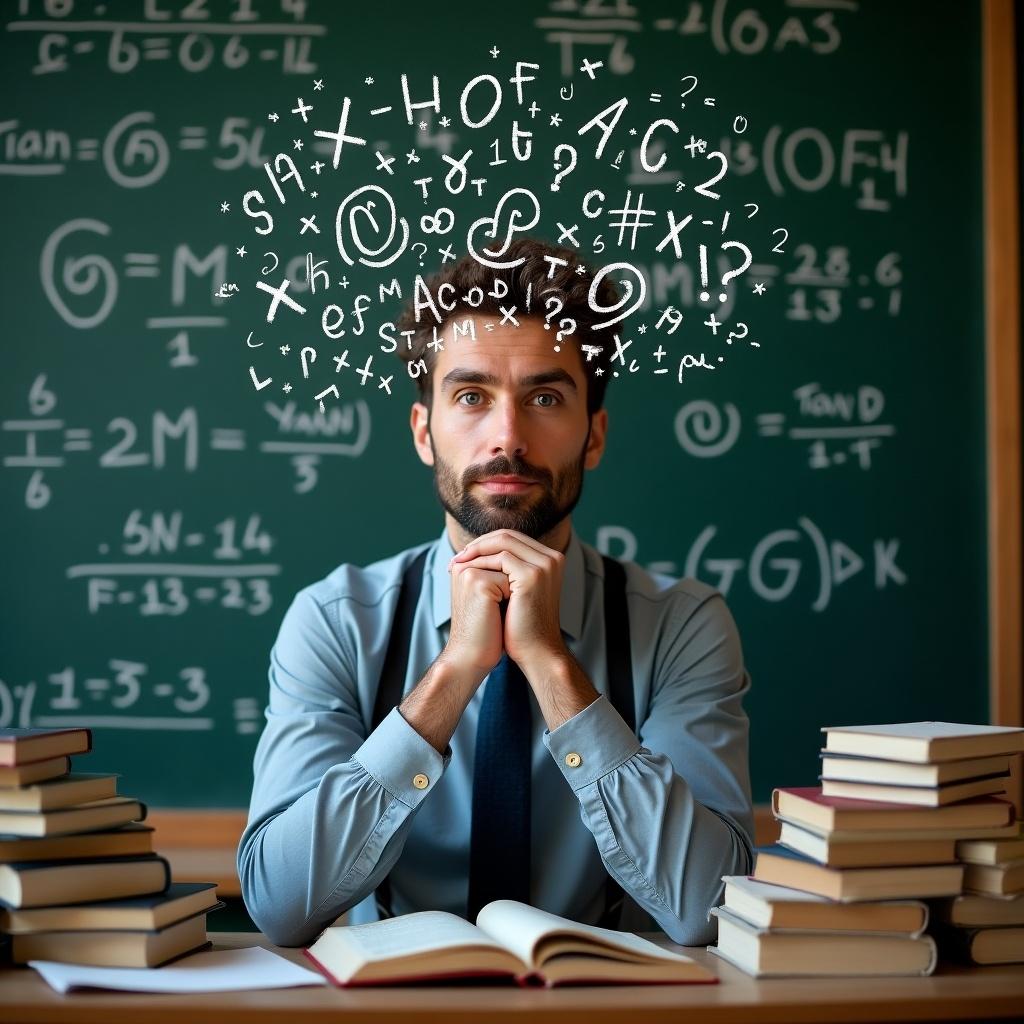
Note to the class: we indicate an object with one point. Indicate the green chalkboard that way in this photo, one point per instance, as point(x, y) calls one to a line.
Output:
point(159, 512)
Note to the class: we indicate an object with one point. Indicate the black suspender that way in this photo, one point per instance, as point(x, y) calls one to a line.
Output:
point(620, 679)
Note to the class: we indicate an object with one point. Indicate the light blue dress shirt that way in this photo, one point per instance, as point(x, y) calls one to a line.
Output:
point(334, 806)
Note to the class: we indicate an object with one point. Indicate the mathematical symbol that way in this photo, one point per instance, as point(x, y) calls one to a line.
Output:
point(224, 207)
point(365, 371)
point(296, 143)
point(589, 68)
point(696, 146)
point(631, 217)
point(384, 163)
point(340, 361)
point(301, 110)
point(437, 345)
point(340, 138)
point(659, 353)
point(620, 350)
point(494, 51)
point(377, 111)
point(655, 97)
point(533, 109)
point(599, 372)
point(307, 223)
point(279, 297)
point(556, 120)
point(344, 282)
point(272, 117)
point(385, 383)
point(446, 254)
point(241, 252)
point(411, 157)
point(508, 315)
point(444, 122)
point(568, 233)
point(368, 80)
point(592, 350)
point(313, 195)
point(709, 101)
point(285, 349)
point(287, 389)
point(759, 288)
point(642, 329)
point(318, 84)
point(713, 324)
point(317, 166)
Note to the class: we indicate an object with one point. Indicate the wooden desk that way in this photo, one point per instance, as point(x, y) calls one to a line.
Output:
point(953, 993)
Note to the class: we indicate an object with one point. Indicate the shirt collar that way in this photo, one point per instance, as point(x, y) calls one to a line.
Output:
point(570, 605)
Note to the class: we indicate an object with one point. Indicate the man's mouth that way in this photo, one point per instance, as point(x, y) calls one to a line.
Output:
point(506, 484)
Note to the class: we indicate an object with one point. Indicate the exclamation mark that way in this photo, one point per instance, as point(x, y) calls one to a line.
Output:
point(705, 294)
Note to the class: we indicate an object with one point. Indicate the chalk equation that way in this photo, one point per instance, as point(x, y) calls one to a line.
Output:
point(173, 440)
point(836, 427)
point(780, 562)
point(70, 31)
point(120, 695)
point(608, 27)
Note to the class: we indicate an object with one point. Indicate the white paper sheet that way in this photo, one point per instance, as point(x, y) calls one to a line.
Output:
point(222, 970)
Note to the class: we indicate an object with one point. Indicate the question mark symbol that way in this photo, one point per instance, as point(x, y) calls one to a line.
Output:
point(566, 326)
point(728, 276)
point(419, 255)
point(270, 270)
point(562, 147)
point(683, 95)
point(738, 337)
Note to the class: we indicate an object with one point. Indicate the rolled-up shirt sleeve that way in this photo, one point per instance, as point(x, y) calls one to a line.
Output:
point(671, 812)
point(331, 806)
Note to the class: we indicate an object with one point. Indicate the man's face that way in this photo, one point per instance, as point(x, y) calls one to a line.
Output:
point(508, 406)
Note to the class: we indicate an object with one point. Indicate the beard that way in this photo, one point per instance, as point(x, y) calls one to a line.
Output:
point(525, 512)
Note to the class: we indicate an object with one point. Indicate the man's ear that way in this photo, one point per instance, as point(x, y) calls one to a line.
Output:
point(595, 444)
point(419, 423)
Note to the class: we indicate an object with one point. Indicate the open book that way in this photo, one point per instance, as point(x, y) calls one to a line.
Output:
point(509, 939)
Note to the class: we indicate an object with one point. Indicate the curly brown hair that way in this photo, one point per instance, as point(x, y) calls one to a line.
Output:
point(534, 276)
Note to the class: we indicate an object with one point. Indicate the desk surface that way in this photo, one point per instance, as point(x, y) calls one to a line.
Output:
point(952, 993)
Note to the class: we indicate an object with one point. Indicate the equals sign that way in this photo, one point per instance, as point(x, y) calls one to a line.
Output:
point(78, 440)
point(141, 264)
point(769, 424)
point(206, 593)
point(226, 439)
point(247, 713)
point(655, 97)
point(192, 138)
point(156, 48)
point(88, 149)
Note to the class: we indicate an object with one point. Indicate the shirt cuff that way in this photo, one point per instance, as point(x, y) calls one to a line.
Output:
point(401, 760)
point(592, 743)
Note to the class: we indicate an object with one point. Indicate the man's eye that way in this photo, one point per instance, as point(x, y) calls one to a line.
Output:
point(469, 394)
point(548, 394)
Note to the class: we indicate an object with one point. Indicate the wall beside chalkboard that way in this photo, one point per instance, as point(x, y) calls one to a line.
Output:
point(160, 513)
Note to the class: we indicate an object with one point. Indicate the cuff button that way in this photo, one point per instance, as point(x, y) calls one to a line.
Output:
point(420, 781)
point(573, 760)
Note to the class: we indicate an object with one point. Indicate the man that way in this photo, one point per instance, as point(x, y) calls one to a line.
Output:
point(510, 767)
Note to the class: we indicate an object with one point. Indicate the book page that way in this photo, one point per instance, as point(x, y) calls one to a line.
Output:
point(411, 934)
point(532, 935)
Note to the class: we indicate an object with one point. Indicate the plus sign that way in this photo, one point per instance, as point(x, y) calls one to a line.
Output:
point(340, 138)
point(316, 166)
point(301, 110)
point(437, 345)
point(591, 68)
point(340, 361)
point(279, 297)
point(659, 352)
point(365, 371)
point(533, 109)
point(696, 146)
point(712, 323)
point(385, 383)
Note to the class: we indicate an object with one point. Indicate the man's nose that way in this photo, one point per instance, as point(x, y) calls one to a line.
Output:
point(509, 436)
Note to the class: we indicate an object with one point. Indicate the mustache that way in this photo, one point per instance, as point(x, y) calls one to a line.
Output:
point(506, 467)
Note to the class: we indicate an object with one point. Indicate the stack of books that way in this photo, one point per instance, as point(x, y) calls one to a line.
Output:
point(849, 888)
point(986, 924)
point(79, 881)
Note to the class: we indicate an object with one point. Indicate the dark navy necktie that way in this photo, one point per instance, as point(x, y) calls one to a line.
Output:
point(499, 852)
